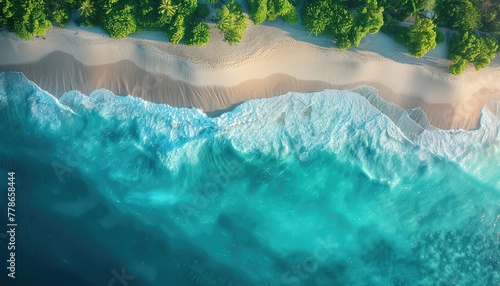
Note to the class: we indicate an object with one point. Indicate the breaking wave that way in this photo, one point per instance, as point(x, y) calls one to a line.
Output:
point(300, 189)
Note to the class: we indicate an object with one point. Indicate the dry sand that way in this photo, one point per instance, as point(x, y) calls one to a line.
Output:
point(271, 60)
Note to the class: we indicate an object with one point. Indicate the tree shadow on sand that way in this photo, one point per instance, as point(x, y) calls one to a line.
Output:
point(380, 43)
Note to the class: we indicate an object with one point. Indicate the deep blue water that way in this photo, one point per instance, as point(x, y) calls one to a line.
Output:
point(300, 189)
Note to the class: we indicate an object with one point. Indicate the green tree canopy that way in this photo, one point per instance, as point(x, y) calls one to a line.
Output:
point(167, 10)
point(27, 19)
point(59, 11)
point(177, 30)
point(87, 8)
point(461, 15)
point(181, 20)
point(467, 47)
point(331, 18)
point(371, 17)
point(119, 23)
point(232, 22)
point(341, 22)
point(147, 14)
point(458, 67)
point(6, 14)
point(199, 34)
point(317, 15)
point(88, 12)
point(402, 9)
point(187, 7)
point(261, 10)
point(421, 37)
point(490, 18)
point(258, 10)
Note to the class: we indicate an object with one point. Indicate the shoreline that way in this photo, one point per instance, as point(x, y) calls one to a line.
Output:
point(218, 76)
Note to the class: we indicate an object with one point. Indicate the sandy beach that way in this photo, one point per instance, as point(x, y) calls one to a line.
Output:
point(271, 60)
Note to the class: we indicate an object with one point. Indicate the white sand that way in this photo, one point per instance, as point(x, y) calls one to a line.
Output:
point(304, 63)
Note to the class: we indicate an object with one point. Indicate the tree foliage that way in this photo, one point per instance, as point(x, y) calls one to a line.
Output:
point(258, 10)
point(261, 10)
point(466, 48)
point(317, 15)
point(346, 21)
point(168, 9)
point(280, 8)
point(369, 20)
point(421, 37)
point(458, 67)
point(177, 30)
point(439, 35)
point(120, 22)
point(59, 11)
point(201, 13)
point(27, 18)
point(6, 13)
point(87, 9)
point(118, 18)
point(490, 17)
point(232, 22)
point(461, 15)
point(402, 9)
point(341, 23)
point(181, 20)
point(199, 34)
point(371, 17)
point(291, 17)
point(332, 18)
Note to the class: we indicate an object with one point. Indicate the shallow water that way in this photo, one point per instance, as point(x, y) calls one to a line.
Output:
point(299, 189)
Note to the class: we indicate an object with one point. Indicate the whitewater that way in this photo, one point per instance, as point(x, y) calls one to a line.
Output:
point(328, 188)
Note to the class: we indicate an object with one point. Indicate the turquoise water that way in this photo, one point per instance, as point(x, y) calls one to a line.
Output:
point(300, 189)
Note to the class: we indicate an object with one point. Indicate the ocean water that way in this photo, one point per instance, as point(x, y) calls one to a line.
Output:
point(299, 189)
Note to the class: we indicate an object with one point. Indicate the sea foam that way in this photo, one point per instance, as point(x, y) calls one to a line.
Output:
point(300, 189)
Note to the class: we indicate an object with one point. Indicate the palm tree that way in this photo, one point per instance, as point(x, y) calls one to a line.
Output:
point(167, 8)
point(87, 9)
point(224, 18)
